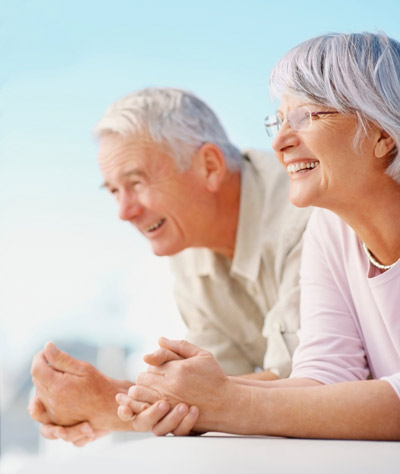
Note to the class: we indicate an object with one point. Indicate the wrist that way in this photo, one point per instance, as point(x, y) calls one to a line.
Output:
point(227, 412)
point(108, 419)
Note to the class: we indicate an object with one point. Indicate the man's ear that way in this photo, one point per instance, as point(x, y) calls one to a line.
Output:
point(384, 145)
point(212, 166)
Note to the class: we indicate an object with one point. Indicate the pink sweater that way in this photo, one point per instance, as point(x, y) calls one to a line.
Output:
point(350, 311)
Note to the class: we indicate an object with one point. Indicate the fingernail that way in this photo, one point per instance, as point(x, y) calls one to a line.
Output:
point(163, 406)
point(51, 348)
point(182, 409)
point(57, 434)
point(86, 429)
point(131, 391)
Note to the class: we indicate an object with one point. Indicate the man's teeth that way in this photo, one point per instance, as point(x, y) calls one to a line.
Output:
point(295, 167)
point(155, 226)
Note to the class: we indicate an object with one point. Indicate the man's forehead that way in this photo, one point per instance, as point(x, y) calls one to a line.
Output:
point(113, 141)
point(124, 157)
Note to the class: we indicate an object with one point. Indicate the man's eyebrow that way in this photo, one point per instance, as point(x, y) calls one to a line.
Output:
point(133, 172)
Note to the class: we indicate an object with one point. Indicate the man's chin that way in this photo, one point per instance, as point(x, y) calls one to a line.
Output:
point(164, 251)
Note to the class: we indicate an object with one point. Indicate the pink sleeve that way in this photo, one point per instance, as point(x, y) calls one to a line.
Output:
point(394, 381)
point(330, 348)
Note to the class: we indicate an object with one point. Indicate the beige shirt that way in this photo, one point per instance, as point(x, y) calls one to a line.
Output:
point(246, 310)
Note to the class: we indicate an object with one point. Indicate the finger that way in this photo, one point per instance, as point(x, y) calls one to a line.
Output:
point(37, 411)
point(80, 443)
point(61, 361)
point(182, 348)
point(149, 379)
point(51, 431)
point(171, 421)
point(188, 422)
point(125, 413)
point(42, 374)
point(150, 417)
point(135, 405)
point(144, 394)
point(81, 432)
point(161, 356)
point(90, 438)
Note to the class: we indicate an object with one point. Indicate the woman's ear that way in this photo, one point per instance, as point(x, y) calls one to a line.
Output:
point(384, 145)
point(212, 165)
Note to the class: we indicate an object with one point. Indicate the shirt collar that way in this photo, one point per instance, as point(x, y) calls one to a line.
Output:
point(247, 255)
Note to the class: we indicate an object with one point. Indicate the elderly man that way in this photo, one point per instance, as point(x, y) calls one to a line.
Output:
point(234, 241)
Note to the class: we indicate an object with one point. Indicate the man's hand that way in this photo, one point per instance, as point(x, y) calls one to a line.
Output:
point(72, 391)
point(79, 434)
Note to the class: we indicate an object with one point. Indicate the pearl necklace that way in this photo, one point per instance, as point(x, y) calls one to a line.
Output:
point(375, 263)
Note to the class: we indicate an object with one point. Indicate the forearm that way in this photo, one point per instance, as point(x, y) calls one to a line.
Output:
point(264, 375)
point(277, 383)
point(109, 420)
point(350, 410)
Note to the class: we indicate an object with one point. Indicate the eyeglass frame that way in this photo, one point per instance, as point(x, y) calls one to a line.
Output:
point(280, 121)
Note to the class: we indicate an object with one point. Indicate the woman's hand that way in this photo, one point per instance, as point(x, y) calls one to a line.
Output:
point(181, 373)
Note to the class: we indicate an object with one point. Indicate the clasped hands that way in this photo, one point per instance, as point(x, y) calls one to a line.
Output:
point(181, 392)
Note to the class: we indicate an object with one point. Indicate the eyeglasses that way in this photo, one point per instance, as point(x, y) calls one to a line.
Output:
point(298, 119)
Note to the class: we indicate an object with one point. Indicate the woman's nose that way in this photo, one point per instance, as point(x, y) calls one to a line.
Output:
point(285, 139)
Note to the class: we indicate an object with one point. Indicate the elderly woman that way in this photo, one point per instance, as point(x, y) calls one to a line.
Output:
point(337, 133)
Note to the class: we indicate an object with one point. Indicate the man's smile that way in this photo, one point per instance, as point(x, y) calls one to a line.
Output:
point(155, 226)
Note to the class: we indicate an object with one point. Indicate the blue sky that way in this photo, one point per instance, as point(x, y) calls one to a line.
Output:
point(68, 267)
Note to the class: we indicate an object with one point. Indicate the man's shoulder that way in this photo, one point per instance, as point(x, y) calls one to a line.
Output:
point(274, 181)
point(271, 174)
point(262, 160)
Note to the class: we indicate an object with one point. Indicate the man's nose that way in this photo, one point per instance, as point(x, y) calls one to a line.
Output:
point(129, 206)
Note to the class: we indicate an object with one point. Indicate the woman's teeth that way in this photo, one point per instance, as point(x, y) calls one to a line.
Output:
point(295, 167)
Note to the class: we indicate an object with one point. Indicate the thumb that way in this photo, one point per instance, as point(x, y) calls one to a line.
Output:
point(61, 361)
point(181, 348)
point(161, 356)
point(37, 411)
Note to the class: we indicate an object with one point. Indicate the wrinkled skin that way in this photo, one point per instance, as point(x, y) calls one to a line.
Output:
point(69, 392)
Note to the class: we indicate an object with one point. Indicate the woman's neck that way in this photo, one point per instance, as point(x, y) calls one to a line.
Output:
point(376, 221)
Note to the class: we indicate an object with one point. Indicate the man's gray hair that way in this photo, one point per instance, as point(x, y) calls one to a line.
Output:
point(174, 118)
point(353, 73)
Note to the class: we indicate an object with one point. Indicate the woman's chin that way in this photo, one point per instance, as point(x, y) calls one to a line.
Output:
point(300, 200)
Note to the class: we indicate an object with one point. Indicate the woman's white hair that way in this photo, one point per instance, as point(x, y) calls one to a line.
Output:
point(174, 118)
point(353, 73)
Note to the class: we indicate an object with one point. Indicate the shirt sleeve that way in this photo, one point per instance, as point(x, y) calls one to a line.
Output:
point(283, 319)
point(330, 348)
point(394, 381)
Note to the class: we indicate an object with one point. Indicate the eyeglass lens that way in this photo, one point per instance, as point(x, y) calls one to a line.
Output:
point(298, 119)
